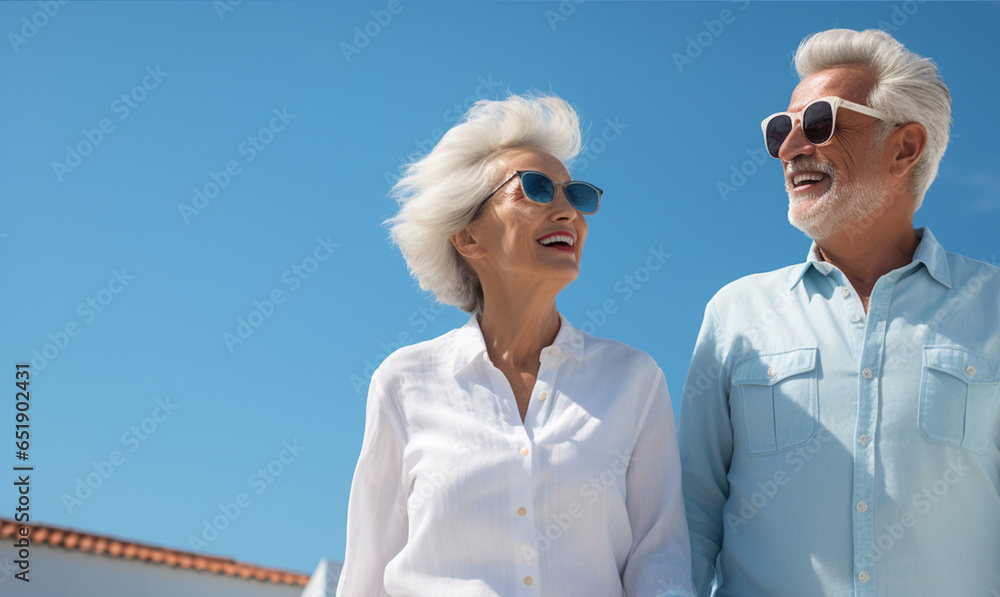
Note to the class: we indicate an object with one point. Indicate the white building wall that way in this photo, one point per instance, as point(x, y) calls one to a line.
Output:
point(323, 582)
point(58, 572)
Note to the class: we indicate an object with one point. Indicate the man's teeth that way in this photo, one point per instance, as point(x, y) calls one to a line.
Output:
point(798, 179)
point(562, 238)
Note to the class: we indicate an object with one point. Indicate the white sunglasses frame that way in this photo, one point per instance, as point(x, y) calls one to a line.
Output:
point(835, 104)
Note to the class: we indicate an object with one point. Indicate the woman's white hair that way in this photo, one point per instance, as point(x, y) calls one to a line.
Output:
point(439, 193)
point(907, 88)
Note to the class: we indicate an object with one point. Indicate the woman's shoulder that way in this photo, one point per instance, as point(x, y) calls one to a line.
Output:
point(415, 360)
point(611, 352)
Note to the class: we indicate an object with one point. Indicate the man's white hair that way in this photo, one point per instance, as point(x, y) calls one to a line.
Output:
point(907, 88)
point(439, 193)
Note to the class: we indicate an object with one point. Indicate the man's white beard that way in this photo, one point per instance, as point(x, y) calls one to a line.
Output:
point(842, 206)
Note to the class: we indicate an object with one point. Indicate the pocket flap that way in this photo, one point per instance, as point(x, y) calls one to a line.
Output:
point(965, 365)
point(768, 369)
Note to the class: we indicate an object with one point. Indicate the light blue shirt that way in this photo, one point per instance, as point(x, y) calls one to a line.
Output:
point(826, 451)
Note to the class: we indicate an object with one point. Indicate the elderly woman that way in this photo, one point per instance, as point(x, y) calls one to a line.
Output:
point(516, 455)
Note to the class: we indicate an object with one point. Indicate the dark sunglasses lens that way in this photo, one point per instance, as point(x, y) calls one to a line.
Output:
point(537, 187)
point(584, 197)
point(817, 122)
point(778, 129)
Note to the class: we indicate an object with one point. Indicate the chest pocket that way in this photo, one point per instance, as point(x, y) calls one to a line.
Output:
point(779, 396)
point(959, 393)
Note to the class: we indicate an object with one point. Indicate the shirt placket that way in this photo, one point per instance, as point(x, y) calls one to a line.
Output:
point(521, 443)
point(522, 493)
point(854, 313)
point(539, 408)
point(542, 394)
point(869, 372)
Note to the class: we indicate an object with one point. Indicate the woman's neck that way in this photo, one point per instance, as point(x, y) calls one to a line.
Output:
point(517, 328)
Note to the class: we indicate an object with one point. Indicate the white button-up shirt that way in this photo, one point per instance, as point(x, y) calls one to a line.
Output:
point(454, 496)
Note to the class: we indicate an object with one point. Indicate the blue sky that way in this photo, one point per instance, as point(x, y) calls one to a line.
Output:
point(191, 201)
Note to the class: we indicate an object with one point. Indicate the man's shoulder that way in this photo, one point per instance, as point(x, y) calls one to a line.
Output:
point(966, 270)
point(752, 286)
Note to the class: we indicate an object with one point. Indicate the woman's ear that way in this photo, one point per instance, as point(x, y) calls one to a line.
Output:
point(466, 244)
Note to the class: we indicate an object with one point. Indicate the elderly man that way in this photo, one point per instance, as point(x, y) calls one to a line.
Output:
point(839, 428)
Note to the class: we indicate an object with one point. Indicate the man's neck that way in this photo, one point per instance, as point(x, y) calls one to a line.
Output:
point(867, 256)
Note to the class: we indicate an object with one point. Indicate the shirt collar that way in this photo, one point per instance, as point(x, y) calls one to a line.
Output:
point(470, 345)
point(933, 256)
point(929, 252)
point(813, 260)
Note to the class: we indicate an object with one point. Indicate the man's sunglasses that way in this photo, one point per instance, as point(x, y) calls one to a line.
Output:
point(538, 187)
point(819, 119)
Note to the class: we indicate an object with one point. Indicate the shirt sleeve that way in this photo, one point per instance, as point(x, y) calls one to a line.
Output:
point(659, 562)
point(706, 447)
point(376, 513)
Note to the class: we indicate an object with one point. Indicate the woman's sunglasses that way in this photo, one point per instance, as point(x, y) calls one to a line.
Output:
point(538, 187)
point(819, 119)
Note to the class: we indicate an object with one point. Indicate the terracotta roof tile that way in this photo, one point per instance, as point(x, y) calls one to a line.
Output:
point(111, 547)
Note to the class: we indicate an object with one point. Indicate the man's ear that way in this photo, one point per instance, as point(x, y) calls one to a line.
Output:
point(907, 143)
point(466, 244)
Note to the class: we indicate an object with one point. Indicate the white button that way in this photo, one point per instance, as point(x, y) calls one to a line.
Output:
point(524, 451)
point(543, 395)
point(863, 577)
point(552, 351)
point(867, 373)
point(527, 580)
point(856, 319)
point(845, 292)
point(522, 510)
point(970, 370)
point(863, 440)
point(862, 507)
point(771, 372)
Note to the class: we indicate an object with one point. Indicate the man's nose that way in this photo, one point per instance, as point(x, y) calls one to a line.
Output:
point(795, 144)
